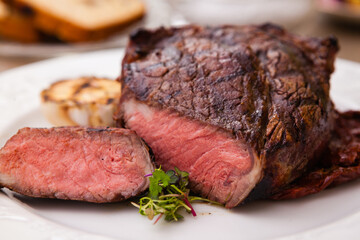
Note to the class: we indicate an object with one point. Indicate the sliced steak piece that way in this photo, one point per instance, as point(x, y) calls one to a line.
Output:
point(76, 163)
point(241, 108)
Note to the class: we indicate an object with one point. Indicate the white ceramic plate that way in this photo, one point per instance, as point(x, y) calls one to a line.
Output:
point(332, 214)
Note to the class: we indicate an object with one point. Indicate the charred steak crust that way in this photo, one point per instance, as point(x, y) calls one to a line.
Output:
point(260, 83)
point(192, 72)
point(338, 164)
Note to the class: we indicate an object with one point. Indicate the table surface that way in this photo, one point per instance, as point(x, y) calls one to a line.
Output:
point(313, 25)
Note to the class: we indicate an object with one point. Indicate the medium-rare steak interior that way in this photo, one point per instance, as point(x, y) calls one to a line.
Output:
point(244, 109)
point(76, 163)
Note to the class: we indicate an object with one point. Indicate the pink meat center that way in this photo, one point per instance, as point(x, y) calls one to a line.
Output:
point(71, 167)
point(220, 166)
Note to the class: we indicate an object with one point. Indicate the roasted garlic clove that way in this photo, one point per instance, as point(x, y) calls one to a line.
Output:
point(84, 101)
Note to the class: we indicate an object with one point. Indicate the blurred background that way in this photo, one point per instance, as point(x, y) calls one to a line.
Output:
point(340, 18)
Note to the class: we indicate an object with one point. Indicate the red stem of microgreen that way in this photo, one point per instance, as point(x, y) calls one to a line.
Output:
point(158, 218)
point(189, 205)
point(148, 175)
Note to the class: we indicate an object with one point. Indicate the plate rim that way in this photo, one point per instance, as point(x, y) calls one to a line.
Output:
point(323, 231)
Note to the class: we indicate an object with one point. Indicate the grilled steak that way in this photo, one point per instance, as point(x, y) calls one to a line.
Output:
point(88, 164)
point(243, 109)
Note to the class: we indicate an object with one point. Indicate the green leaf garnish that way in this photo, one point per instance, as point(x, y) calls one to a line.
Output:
point(168, 193)
point(158, 181)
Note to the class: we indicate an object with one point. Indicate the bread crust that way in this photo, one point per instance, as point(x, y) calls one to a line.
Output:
point(16, 27)
point(91, 25)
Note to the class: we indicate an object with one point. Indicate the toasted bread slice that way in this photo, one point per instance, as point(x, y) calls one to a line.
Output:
point(80, 20)
point(14, 26)
point(85, 101)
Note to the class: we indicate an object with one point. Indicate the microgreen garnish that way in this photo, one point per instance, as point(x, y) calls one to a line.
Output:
point(168, 193)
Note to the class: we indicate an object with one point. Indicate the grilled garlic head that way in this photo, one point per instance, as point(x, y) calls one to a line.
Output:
point(84, 101)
